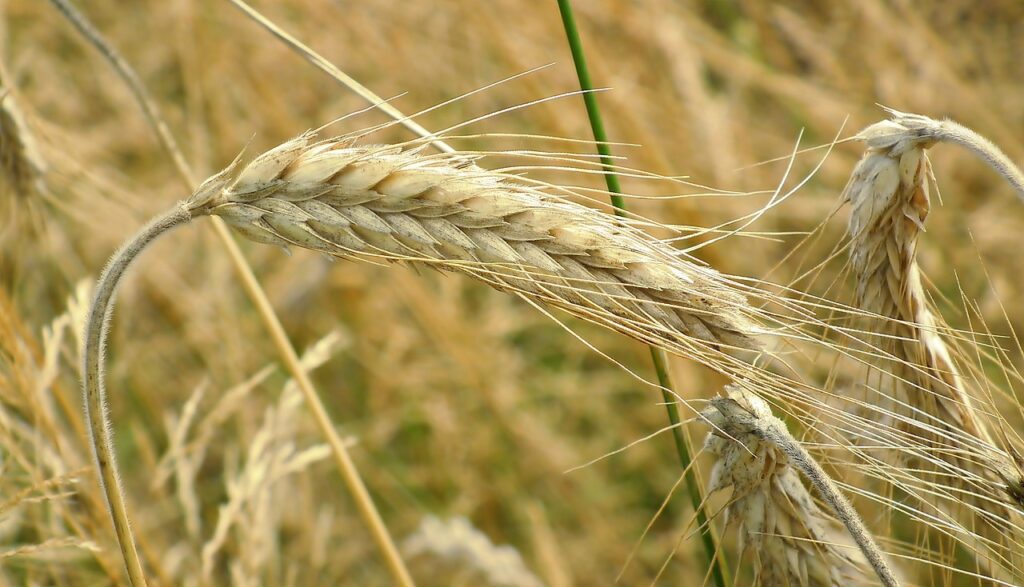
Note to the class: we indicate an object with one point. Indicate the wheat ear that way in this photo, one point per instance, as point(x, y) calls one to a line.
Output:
point(778, 520)
point(658, 354)
point(443, 211)
point(888, 193)
point(756, 455)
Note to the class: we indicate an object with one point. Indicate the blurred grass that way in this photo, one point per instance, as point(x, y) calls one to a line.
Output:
point(463, 401)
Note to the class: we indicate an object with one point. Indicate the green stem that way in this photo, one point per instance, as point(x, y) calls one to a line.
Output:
point(720, 570)
point(590, 99)
point(684, 449)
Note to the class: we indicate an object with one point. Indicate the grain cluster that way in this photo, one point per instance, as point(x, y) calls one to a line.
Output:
point(790, 539)
point(926, 397)
point(444, 211)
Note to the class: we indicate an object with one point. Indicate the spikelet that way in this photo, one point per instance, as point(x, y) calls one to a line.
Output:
point(443, 211)
point(19, 156)
point(793, 541)
point(454, 548)
point(21, 167)
point(931, 403)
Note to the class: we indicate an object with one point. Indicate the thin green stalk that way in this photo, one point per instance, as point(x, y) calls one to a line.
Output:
point(590, 100)
point(719, 570)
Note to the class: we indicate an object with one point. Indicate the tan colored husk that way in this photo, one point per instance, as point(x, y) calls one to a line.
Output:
point(930, 401)
point(20, 160)
point(21, 167)
point(793, 541)
point(395, 203)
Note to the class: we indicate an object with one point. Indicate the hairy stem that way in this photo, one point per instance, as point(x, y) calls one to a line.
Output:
point(349, 472)
point(948, 131)
point(95, 392)
point(719, 570)
point(773, 430)
point(840, 506)
point(985, 149)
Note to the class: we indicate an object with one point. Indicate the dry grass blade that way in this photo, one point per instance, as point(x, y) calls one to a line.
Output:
point(47, 548)
point(443, 211)
point(21, 164)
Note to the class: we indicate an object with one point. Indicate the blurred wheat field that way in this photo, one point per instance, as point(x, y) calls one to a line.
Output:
point(458, 402)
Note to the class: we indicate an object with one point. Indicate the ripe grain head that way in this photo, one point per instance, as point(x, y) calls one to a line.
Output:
point(931, 404)
point(395, 203)
point(791, 539)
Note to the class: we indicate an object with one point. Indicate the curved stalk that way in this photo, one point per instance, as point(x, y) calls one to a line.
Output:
point(95, 392)
point(948, 131)
point(346, 466)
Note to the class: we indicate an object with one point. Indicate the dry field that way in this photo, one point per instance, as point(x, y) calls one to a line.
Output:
point(859, 280)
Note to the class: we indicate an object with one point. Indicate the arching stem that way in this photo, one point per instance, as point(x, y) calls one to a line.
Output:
point(94, 391)
point(346, 466)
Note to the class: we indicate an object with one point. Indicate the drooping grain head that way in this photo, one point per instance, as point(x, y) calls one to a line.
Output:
point(889, 197)
point(792, 541)
point(395, 203)
point(948, 443)
point(888, 192)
